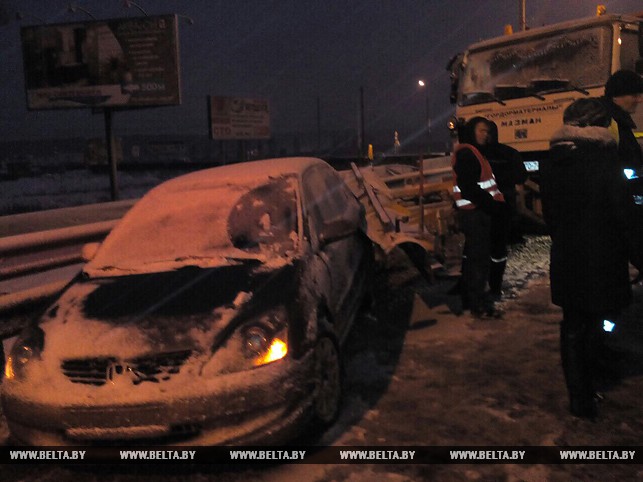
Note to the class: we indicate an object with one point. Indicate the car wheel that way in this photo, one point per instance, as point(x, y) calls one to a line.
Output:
point(328, 381)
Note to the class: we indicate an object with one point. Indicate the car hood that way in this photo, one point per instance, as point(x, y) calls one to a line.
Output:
point(188, 309)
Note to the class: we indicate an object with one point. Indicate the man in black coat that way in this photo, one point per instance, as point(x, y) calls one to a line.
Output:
point(586, 207)
point(622, 95)
point(509, 170)
point(507, 164)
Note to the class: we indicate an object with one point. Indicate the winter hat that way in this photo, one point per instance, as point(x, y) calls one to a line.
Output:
point(623, 82)
point(466, 134)
point(493, 132)
point(587, 112)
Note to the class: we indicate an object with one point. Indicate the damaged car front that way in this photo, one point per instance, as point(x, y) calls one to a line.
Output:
point(192, 324)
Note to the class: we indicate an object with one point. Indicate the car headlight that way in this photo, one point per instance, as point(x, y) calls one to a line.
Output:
point(257, 342)
point(262, 345)
point(26, 348)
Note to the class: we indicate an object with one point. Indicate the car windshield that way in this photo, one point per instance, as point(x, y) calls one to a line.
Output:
point(204, 225)
point(562, 61)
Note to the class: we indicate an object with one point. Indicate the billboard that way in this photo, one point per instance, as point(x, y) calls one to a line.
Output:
point(239, 118)
point(125, 62)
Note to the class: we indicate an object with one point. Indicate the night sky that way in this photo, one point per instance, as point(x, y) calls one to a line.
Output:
point(291, 52)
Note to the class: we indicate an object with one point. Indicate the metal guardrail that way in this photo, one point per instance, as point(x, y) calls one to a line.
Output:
point(19, 253)
point(42, 240)
point(15, 300)
point(13, 248)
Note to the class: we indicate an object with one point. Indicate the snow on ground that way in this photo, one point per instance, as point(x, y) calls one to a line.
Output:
point(437, 378)
point(526, 262)
point(441, 380)
point(74, 188)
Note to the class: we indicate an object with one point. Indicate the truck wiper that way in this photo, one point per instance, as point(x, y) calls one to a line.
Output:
point(514, 91)
point(578, 89)
point(563, 84)
point(480, 97)
point(494, 98)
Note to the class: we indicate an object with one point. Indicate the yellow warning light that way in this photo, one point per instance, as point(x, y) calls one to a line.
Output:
point(600, 10)
point(370, 152)
point(509, 29)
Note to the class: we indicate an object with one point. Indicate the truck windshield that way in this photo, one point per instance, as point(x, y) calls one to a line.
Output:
point(560, 61)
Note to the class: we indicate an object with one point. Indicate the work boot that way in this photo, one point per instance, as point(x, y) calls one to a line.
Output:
point(457, 288)
point(495, 296)
point(496, 274)
point(487, 313)
point(584, 407)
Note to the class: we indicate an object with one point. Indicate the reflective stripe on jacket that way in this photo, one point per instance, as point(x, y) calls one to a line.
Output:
point(487, 179)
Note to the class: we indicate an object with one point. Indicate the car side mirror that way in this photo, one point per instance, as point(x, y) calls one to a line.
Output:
point(336, 230)
point(89, 251)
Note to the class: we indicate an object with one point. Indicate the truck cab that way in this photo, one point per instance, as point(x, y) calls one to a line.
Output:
point(524, 81)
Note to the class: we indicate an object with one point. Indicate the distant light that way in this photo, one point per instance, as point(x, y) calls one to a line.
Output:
point(608, 326)
point(619, 41)
point(629, 173)
point(421, 83)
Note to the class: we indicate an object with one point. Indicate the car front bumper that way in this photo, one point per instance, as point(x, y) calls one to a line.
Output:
point(236, 410)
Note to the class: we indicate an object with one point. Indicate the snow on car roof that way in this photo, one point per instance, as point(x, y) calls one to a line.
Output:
point(238, 173)
point(209, 218)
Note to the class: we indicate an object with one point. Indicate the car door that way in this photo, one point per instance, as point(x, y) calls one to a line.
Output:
point(330, 201)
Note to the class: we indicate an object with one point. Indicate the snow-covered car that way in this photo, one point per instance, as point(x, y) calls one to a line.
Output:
point(213, 313)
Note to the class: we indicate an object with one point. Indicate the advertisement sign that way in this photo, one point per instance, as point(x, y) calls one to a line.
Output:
point(126, 62)
point(239, 118)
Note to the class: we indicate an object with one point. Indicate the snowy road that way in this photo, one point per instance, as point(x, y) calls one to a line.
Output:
point(419, 375)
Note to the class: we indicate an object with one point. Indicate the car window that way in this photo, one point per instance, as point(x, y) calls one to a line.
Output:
point(265, 217)
point(326, 195)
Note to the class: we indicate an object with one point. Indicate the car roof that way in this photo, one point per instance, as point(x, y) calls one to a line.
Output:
point(237, 173)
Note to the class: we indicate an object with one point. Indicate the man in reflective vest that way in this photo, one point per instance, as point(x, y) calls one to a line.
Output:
point(478, 201)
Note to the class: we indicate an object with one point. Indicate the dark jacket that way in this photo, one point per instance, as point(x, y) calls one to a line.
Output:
point(586, 207)
point(467, 169)
point(629, 150)
point(506, 163)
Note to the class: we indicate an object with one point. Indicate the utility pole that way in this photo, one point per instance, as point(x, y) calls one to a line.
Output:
point(362, 137)
point(522, 19)
point(111, 155)
point(425, 86)
point(318, 126)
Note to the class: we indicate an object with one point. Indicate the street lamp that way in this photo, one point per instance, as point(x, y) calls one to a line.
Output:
point(130, 3)
point(424, 85)
point(72, 8)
